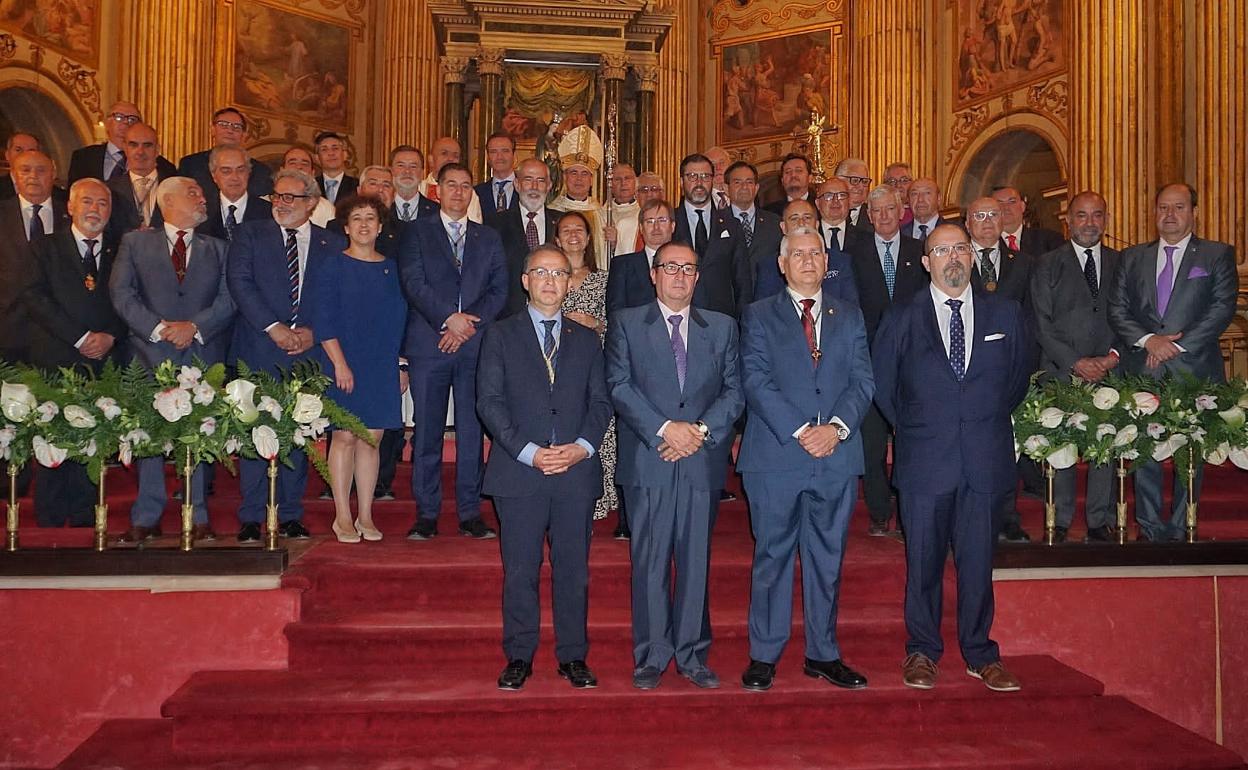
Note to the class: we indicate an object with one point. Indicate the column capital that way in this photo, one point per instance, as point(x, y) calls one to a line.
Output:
point(614, 66)
point(490, 61)
point(454, 69)
point(647, 76)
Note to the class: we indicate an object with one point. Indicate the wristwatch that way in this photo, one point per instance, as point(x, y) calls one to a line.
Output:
point(706, 431)
point(842, 432)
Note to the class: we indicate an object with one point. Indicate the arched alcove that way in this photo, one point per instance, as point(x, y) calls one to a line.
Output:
point(27, 109)
point(1020, 158)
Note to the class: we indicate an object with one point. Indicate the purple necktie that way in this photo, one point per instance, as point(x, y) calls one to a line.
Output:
point(678, 349)
point(1165, 281)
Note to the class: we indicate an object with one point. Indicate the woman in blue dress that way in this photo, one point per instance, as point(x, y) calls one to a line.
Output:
point(358, 318)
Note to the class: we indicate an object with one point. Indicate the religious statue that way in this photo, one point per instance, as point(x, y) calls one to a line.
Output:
point(814, 145)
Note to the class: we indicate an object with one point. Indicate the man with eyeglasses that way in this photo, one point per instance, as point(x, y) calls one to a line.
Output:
point(725, 283)
point(228, 126)
point(524, 227)
point(673, 373)
point(629, 283)
point(760, 228)
point(650, 188)
point(331, 154)
point(454, 276)
point(794, 180)
point(542, 396)
point(807, 378)
point(900, 178)
point(269, 263)
point(1017, 234)
point(888, 269)
point(107, 159)
point(951, 364)
point(854, 172)
point(924, 201)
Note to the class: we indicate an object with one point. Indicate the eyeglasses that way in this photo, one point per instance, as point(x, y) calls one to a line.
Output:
point(834, 196)
point(704, 176)
point(961, 249)
point(542, 273)
point(651, 221)
point(983, 216)
point(856, 181)
point(897, 181)
point(288, 198)
point(233, 126)
point(121, 117)
point(650, 188)
point(672, 268)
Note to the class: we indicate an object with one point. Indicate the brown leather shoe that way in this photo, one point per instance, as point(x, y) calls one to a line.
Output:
point(918, 671)
point(137, 534)
point(996, 677)
point(202, 532)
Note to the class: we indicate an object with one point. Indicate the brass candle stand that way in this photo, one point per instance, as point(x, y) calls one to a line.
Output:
point(1191, 495)
point(188, 505)
point(270, 522)
point(1122, 501)
point(11, 519)
point(1050, 506)
point(101, 513)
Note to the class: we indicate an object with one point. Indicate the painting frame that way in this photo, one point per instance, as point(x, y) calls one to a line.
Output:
point(1039, 37)
point(251, 83)
point(38, 15)
point(791, 94)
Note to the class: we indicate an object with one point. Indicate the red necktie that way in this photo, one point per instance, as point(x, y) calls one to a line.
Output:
point(808, 326)
point(179, 256)
point(432, 192)
point(1012, 242)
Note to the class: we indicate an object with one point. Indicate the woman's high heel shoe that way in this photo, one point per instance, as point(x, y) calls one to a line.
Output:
point(371, 534)
point(345, 537)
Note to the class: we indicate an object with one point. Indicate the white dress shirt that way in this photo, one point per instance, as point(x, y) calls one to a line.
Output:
point(529, 451)
point(893, 243)
point(826, 232)
point(1096, 260)
point(337, 180)
point(28, 211)
point(930, 224)
point(240, 208)
point(509, 189)
point(691, 216)
point(539, 221)
point(413, 207)
point(1179, 251)
point(816, 312)
point(80, 240)
point(944, 319)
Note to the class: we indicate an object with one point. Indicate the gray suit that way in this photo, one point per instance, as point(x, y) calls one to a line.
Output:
point(145, 290)
point(1201, 306)
point(1072, 324)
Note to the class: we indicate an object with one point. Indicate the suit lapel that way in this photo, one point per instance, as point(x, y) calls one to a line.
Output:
point(927, 310)
point(661, 343)
point(1189, 259)
point(699, 350)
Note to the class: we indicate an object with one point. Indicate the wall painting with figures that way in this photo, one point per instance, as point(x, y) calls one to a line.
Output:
point(1006, 43)
point(770, 85)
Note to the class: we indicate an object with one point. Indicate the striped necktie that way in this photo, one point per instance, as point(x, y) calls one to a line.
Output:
point(292, 270)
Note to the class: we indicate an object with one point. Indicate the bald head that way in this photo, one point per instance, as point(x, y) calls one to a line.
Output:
point(1087, 216)
point(444, 150)
point(924, 199)
point(983, 221)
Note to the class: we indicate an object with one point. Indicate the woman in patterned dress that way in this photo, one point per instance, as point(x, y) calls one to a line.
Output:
point(586, 303)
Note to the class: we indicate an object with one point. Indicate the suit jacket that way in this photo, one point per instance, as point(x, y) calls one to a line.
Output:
point(1201, 306)
point(125, 216)
point(628, 282)
point(950, 432)
point(489, 198)
point(725, 280)
point(1036, 241)
point(869, 275)
point(60, 306)
point(864, 222)
point(346, 188)
point(518, 405)
point(1013, 274)
point(88, 162)
point(260, 286)
point(7, 189)
point(258, 210)
point(435, 289)
point(195, 166)
point(641, 375)
point(424, 208)
point(785, 389)
point(510, 228)
point(145, 291)
point(911, 230)
point(1069, 322)
point(763, 250)
point(777, 207)
point(16, 273)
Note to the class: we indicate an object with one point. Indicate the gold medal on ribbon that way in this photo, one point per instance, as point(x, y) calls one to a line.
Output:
point(990, 286)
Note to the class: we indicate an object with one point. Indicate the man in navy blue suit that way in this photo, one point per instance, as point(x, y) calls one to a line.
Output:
point(674, 377)
point(229, 126)
point(454, 276)
point(838, 280)
point(807, 378)
point(542, 396)
point(500, 188)
point(629, 283)
point(268, 267)
point(951, 364)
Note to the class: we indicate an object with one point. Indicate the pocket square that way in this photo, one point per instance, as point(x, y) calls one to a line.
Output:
point(1197, 272)
point(994, 337)
point(723, 233)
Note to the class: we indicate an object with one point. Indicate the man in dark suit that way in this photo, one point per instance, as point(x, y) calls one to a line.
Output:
point(794, 180)
point(1006, 273)
point(630, 282)
point(134, 190)
point(724, 283)
point(807, 378)
point(17, 143)
point(107, 160)
point(888, 270)
point(839, 279)
point(674, 377)
point(168, 285)
point(523, 227)
point(231, 170)
point(72, 324)
point(269, 264)
point(229, 126)
point(1018, 236)
point(542, 397)
point(1171, 302)
point(331, 154)
point(500, 188)
point(454, 276)
point(854, 172)
point(1070, 289)
point(407, 164)
point(925, 201)
point(759, 227)
point(951, 364)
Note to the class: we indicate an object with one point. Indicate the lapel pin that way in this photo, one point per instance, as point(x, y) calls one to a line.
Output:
point(831, 311)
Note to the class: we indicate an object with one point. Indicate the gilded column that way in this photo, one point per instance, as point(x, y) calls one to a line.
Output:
point(1221, 122)
point(614, 68)
point(411, 96)
point(490, 115)
point(647, 136)
point(673, 113)
point(172, 63)
point(892, 94)
point(454, 73)
point(1110, 114)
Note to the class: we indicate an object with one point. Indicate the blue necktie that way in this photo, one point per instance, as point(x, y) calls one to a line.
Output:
point(457, 244)
point(890, 268)
point(36, 222)
point(331, 189)
point(230, 222)
point(957, 339)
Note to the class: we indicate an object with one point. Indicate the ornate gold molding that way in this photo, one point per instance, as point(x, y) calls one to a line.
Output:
point(728, 14)
point(647, 76)
point(614, 66)
point(454, 69)
point(8, 46)
point(966, 124)
point(1051, 98)
point(82, 84)
point(490, 61)
point(354, 8)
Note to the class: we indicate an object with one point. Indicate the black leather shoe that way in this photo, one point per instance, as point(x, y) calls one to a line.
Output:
point(835, 672)
point(249, 533)
point(515, 675)
point(423, 529)
point(138, 535)
point(1013, 533)
point(578, 674)
point(1059, 534)
point(622, 532)
point(878, 529)
point(476, 529)
point(293, 530)
point(758, 675)
point(726, 497)
point(1100, 535)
